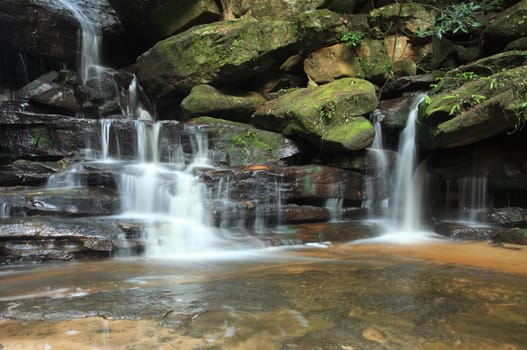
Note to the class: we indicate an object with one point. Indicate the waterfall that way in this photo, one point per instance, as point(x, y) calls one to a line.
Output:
point(404, 224)
point(472, 196)
point(405, 207)
point(5, 210)
point(376, 181)
point(91, 38)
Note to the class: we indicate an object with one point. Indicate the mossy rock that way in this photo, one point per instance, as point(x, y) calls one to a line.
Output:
point(329, 115)
point(477, 110)
point(216, 53)
point(236, 144)
point(404, 16)
point(481, 68)
point(225, 103)
point(509, 25)
point(273, 9)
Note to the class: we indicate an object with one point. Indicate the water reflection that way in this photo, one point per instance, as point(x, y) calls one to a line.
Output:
point(337, 297)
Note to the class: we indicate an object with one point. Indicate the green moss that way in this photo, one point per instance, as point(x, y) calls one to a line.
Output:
point(40, 138)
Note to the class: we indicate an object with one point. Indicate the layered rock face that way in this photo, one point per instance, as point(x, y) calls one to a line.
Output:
point(284, 90)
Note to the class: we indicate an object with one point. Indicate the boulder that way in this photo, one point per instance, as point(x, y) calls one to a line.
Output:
point(507, 217)
point(28, 173)
point(217, 53)
point(272, 9)
point(508, 25)
point(62, 201)
point(463, 232)
point(329, 115)
point(233, 51)
point(164, 18)
point(404, 17)
point(479, 109)
point(238, 144)
point(220, 103)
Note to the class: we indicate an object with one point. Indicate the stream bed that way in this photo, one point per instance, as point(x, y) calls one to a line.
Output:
point(443, 295)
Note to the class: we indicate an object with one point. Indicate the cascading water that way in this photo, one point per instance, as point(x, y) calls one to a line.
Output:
point(472, 196)
point(405, 206)
point(376, 184)
point(91, 38)
point(404, 222)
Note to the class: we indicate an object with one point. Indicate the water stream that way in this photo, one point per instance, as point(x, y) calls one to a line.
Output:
point(90, 42)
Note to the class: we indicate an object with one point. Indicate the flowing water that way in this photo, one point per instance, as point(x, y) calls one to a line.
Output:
point(340, 297)
point(91, 39)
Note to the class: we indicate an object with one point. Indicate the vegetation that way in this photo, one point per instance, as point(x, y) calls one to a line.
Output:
point(463, 101)
point(352, 39)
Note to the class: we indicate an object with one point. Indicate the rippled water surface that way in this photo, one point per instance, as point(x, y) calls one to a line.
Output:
point(341, 297)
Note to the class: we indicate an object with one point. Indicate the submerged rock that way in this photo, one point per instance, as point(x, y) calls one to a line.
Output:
point(329, 116)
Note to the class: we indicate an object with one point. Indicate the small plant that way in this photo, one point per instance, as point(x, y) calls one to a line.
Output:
point(467, 75)
point(326, 112)
point(457, 18)
point(463, 101)
point(352, 39)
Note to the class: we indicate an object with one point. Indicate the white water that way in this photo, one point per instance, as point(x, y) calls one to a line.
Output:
point(404, 225)
point(376, 184)
point(5, 210)
point(472, 196)
point(91, 39)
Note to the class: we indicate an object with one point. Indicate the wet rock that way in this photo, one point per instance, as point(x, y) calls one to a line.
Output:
point(206, 100)
point(404, 84)
point(62, 240)
point(509, 217)
point(28, 173)
point(459, 231)
point(237, 144)
point(512, 236)
point(44, 90)
point(395, 113)
point(293, 214)
point(46, 28)
point(328, 116)
point(312, 181)
point(62, 202)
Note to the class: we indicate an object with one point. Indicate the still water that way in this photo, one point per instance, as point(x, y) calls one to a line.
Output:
point(441, 295)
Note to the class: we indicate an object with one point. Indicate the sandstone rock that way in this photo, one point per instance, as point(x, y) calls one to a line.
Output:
point(237, 144)
point(229, 104)
point(328, 115)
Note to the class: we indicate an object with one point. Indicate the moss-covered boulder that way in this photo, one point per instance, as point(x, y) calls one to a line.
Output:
point(225, 103)
point(271, 9)
point(236, 144)
point(402, 17)
point(220, 52)
point(328, 116)
point(479, 109)
point(164, 17)
point(509, 25)
point(368, 61)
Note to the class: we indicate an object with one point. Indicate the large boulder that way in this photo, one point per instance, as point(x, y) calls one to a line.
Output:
point(164, 18)
point(220, 103)
point(237, 144)
point(233, 51)
point(481, 108)
point(330, 115)
point(509, 25)
point(221, 52)
point(271, 9)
